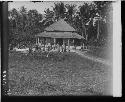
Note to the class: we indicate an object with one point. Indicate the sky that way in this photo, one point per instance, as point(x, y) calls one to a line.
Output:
point(39, 6)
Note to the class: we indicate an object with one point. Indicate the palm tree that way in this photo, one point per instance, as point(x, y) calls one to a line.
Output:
point(71, 10)
point(14, 24)
point(49, 17)
point(84, 16)
point(101, 15)
point(98, 20)
point(54, 15)
point(59, 10)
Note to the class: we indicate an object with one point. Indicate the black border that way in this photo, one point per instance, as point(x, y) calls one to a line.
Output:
point(4, 45)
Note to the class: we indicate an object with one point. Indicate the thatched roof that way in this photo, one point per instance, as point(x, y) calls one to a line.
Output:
point(60, 35)
point(60, 29)
point(60, 25)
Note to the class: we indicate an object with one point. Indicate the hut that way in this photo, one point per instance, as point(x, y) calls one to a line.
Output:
point(60, 33)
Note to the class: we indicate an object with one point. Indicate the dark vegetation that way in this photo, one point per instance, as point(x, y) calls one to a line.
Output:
point(104, 53)
point(93, 21)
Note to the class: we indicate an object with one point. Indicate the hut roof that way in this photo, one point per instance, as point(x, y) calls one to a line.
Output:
point(60, 25)
point(60, 35)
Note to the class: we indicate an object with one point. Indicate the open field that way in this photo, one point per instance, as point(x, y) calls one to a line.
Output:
point(58, 74)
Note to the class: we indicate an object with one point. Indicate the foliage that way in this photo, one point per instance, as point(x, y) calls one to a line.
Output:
point(59, 10)
point(49, 17)
point(23, 25)
point(92, 21)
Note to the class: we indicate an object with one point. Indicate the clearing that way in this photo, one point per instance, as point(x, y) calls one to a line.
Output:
point(58, 74)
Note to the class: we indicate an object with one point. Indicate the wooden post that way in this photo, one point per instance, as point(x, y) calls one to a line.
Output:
point(68, 45)
point(44, 44)
point(73, 42)
point(63, 46)
point(83, 45)
point(38, 40)
point(54, 43)
point(98, 30)
point(18, 45)
point(54, 40)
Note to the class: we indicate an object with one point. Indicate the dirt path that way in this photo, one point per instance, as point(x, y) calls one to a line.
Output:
point(100, 60)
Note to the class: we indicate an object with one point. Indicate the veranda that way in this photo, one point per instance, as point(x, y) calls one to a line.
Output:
point(59, 36)
point(57, 44)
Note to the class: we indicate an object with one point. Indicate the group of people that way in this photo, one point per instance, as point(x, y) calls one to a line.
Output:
point(48, 47)
point(60, 48)
point(55, 47)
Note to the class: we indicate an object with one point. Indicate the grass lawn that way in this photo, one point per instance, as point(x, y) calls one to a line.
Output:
point(103, 53)
point(59, 74)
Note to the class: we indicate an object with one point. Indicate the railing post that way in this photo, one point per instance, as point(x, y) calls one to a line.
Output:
point(73, 43)
point(68, 45)
point(44, 44)
point(54, 43)
point(38, 40)
point(64, 47)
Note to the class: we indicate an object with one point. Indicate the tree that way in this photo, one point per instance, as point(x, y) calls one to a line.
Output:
point(98, 22)
point(33, 22)
point(104, 19)
point(70, 14)
point(13, 16)
point(54, 15)
point(23, 25)
point(49, 17)
point(59, 10)
point(86, 13)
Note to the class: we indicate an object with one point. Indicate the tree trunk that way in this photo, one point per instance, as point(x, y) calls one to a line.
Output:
point(86, 36)
point(54, 43)
point(38, 40)
point(68, 45)
point(83, 25)
point(64, 49)
point(98, 29)
point(44, 44)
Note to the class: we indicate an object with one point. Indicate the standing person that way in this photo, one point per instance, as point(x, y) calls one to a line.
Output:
point(49, 46)
point(58, 47)
point(37, 47)
point(11, 47)
point(61, 48)
point(64, 47)
point(46, 47)
point(30, 48)
point(82, 46)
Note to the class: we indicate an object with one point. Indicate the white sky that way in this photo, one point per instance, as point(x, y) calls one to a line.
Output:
point(39, 6)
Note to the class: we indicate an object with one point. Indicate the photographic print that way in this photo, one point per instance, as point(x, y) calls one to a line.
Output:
point(60, 48)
